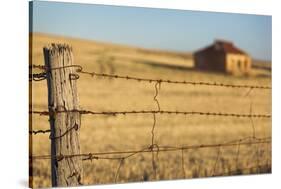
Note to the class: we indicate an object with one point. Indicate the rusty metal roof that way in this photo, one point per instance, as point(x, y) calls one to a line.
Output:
point(223, 46)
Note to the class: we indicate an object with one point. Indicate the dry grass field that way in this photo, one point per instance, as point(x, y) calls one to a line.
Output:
point(101, 133)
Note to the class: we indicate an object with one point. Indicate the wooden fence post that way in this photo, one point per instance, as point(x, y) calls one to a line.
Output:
point(62, 96)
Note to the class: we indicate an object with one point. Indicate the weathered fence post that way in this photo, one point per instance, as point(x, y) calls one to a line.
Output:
point(64, 122)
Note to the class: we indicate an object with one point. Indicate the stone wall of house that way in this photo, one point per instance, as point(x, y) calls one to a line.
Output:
point(238, 64)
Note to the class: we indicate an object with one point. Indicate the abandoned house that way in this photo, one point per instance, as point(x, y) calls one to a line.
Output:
point(223, 56)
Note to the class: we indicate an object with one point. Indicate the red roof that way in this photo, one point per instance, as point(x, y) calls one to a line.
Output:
point(223, 46)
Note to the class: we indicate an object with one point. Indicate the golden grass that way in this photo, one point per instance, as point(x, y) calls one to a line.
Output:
point(133, 132)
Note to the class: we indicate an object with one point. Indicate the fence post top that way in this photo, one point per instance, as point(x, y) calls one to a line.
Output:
point(57, 47)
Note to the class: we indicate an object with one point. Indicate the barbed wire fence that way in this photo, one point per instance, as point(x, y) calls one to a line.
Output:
point(153, 148)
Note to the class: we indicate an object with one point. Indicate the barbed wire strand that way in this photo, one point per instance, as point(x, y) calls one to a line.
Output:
point(80, 70)
point(161, 149)
point(35, 132)
point(122, 159)
point(174, 82)
point(43, 75)
point(114, 113)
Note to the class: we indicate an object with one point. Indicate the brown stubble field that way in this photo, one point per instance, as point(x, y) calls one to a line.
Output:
point(101, 133)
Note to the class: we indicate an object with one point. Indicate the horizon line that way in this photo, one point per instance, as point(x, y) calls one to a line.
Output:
point(134, 46)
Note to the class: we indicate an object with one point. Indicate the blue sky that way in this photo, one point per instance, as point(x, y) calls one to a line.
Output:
point(178, 30)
